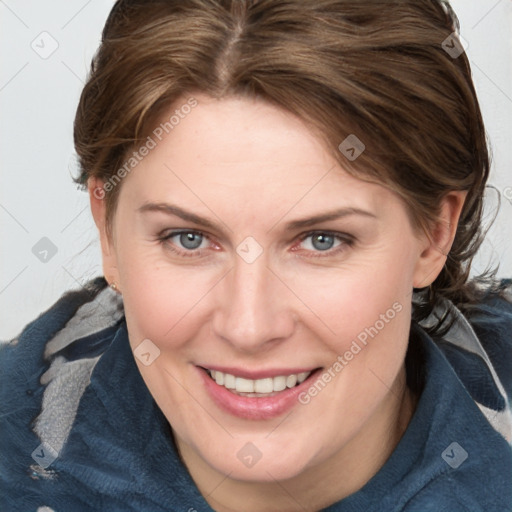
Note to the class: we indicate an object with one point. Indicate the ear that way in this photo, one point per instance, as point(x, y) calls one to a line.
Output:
point(98, 209)
point(438, 242)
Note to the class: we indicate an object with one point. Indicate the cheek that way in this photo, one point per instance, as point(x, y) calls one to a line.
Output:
point(158, 297)
point(367, 312)
point(355, 302)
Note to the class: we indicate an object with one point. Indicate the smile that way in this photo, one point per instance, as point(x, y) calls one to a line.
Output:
point(270, 394)
point(257, 388)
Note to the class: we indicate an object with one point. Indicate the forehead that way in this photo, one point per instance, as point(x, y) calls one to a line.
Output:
point(245, 153)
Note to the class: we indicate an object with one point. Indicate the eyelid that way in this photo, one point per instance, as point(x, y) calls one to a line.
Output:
point(342, 236)
point(166, 233)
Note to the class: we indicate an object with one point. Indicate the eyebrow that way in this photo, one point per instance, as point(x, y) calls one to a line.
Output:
point(171, 209)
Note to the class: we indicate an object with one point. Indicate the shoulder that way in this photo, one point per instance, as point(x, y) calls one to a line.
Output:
point(491, 319)
point(491, 312)
point(469, 454)
point(25, 358)
point(47, 367)
point(478, 346)
point(458, 459)
point(472, 482)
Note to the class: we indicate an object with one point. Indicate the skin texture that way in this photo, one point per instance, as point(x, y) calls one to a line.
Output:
point(251, 168)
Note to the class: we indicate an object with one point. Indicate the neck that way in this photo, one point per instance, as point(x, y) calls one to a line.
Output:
point(345, 472)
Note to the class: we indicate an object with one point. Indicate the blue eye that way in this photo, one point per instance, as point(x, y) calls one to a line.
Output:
point(313, 244)
point(186, 243)
point(324, 243)
point(190, 240)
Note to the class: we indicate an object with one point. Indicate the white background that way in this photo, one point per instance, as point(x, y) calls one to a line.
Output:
point(38, 98)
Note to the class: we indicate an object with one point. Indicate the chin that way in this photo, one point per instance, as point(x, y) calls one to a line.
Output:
point(260, 461)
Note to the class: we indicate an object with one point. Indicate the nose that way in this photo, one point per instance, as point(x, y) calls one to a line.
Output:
point(254, 308)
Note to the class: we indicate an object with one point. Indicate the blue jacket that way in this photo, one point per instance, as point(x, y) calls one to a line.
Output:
point(81, 432)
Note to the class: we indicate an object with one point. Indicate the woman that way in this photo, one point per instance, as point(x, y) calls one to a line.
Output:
point(288, 196)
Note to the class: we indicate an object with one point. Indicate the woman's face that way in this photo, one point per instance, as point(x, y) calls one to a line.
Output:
point(242, 247)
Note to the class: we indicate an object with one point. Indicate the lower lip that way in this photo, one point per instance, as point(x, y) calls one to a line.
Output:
point(255, 408)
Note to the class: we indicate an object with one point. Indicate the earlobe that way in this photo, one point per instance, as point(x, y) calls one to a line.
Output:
point(98, 210)
point(439, 240)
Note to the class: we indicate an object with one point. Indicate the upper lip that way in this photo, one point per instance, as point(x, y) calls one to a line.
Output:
point(259, 374)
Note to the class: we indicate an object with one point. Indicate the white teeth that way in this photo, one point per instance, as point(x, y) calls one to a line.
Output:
point(279, 383)
point(258, 387)
point(229, 381)
point(302, 376)
point(264, 385)
point(291, 380)
point(244, 385)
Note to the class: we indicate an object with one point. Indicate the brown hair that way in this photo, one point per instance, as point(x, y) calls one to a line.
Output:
point(380, 72)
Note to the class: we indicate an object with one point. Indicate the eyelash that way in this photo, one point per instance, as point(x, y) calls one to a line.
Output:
point(345, 239)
